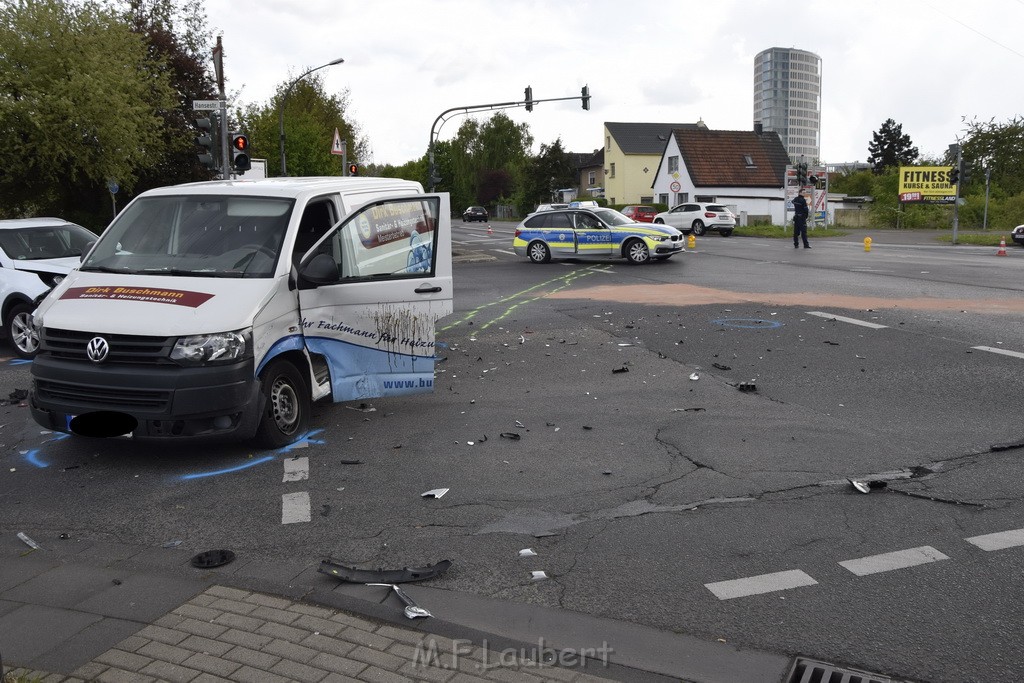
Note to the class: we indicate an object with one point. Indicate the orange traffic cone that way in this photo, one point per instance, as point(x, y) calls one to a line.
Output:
point(490, 230)
point(1002, 247)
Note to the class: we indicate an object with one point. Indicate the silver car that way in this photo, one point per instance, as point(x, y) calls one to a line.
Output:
point(698, 218)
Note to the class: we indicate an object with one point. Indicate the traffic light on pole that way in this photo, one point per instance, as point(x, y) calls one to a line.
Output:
point(954, 175)
point(585, 97)
point(801, 174)
point(353, 169)
point(208, 157)
point(529, 98)
point(240, 152)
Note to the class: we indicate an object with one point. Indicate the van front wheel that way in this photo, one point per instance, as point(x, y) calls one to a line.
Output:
point(287, 405)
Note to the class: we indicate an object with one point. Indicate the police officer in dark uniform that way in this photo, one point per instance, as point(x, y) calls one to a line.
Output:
point(800, 213)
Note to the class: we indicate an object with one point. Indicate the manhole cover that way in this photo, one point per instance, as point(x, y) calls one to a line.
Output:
point(212, 558)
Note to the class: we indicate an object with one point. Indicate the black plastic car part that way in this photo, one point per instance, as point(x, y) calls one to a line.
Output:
point(404, 575)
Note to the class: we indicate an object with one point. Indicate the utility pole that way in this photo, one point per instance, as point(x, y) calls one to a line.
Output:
point(218, 70)
point(988, 176)
point(956, 201)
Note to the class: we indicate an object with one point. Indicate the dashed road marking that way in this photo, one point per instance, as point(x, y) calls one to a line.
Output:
point(844, 319)
point(998, 541)
point(296, 469)
point(900, 559)
point(1002, 352)
point(756, 585)
point(295, 508)
point(504, 251)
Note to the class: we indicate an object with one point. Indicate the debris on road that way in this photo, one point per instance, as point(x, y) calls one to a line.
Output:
point(527, 552)
point(363, 408)
point(412, 610)
point(619, 370)
point(747, 386)
point(349, 462)
point(539, 576)
point(720, 366)
point(435, 493)
point(688, 410)
point(28, 541)
point(511, 435)
point(867, 486)
point(404, 575)
point(695, 377)
point(212, 558)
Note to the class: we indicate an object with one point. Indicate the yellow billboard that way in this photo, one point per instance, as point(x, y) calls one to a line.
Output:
point(926, 184)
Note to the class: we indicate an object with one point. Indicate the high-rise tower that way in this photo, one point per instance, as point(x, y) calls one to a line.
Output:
point(787, 99)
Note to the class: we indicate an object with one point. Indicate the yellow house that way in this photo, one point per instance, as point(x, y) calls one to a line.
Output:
point(632, 153)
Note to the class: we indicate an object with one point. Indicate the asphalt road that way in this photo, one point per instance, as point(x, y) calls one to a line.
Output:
point(650, 486)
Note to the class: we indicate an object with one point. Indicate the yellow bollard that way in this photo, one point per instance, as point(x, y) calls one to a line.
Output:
point(691, 241)
point(867, 244)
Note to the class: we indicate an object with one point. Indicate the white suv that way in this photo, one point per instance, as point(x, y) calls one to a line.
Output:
point(699, 218)
point(35, 254)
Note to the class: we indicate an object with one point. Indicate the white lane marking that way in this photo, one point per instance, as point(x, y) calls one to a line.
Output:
point(844, 319)
point(998, 541)
point(901, 559)
point(1003, 352)
point(504, 251)
point(296, 469)
point(756, 585)
point(295, 508)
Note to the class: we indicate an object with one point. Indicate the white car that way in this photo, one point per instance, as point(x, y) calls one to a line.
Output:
point(35, 255)
point(699, 218)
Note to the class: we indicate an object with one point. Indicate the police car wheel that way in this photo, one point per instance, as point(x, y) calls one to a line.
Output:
point(637, 252)
point(539, 252)
point(287, 405)
point(698, 228)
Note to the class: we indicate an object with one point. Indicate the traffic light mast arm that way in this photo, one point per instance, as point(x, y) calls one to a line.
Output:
point(480, 107)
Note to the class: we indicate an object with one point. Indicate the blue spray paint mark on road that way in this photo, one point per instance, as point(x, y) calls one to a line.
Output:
point(19, 361)
point(227, 470)
point(306, 438)
point(748, 323)
point(33, 458)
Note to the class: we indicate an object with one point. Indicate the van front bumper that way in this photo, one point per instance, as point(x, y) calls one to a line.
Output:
point(147, 401)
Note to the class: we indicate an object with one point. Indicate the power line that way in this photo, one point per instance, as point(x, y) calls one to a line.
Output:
point(991, 40)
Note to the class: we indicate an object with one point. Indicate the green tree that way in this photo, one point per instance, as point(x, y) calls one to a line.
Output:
point(310, 117)
point(80, 103)
point(548, 171)
point(998, 147)
point(890, 146)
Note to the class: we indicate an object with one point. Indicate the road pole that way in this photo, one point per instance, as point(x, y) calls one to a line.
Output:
point(284, 98)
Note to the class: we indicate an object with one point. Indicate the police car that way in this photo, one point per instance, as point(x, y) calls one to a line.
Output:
point(593, 233)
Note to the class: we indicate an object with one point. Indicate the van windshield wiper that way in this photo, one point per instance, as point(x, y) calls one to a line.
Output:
point(185, 272)
point(107, 269)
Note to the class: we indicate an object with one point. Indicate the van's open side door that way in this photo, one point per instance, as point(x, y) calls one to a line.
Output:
point(374, 323)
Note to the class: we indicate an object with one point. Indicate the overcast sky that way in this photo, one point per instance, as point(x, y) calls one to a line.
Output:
point(926, 64)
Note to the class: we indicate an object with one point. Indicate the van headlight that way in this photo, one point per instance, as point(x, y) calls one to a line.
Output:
point(222, 347)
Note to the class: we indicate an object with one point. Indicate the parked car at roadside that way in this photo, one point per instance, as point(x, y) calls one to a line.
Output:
point(593, 233)
point(35, 255)
point(475, 213)
point(1018, 235)
point(640, 214)
point(699, 218)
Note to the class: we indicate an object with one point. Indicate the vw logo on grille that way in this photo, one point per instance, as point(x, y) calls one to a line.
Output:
point(97, 349)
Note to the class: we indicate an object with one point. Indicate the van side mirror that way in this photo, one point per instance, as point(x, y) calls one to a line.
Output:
point(320, 270)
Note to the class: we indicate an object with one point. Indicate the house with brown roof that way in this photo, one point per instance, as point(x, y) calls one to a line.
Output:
point(631, 155)
point(745, 170)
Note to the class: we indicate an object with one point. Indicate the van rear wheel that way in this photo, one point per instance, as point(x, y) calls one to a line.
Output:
point(287, 405)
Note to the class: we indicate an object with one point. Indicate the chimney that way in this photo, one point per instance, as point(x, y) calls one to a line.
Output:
point(758, 127)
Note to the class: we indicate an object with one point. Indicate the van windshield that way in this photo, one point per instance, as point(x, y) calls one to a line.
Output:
point(195, 235)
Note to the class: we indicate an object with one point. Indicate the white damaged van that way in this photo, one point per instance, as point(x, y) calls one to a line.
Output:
point(224, 309)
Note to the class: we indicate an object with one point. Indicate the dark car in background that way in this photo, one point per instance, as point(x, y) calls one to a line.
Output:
point(1018, 235)
point(640, 214)
point(475, 213)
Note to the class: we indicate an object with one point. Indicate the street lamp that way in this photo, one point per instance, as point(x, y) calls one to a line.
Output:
point(280, 107)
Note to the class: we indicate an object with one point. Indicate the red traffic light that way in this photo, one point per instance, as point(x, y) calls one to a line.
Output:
point(353, 169)
point(240, 142)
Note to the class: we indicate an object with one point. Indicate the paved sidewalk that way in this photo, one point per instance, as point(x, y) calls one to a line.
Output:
point(227, 634)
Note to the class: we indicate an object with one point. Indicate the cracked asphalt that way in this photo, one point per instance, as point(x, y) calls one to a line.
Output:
point(637, 488)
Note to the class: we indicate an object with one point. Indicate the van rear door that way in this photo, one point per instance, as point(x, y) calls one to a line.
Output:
point(374, 324)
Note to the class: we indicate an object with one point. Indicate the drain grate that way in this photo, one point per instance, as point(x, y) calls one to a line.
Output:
point(810, 671)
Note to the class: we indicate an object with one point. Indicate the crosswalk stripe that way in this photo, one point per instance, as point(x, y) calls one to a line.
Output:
point(844, 319)
point(295, 508)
